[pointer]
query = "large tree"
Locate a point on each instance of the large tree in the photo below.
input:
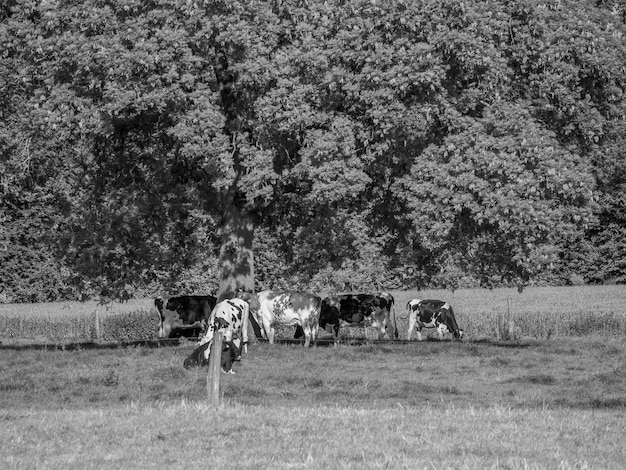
(358, 141)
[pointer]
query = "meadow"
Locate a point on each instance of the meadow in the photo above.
(540, 404)
(552, 399)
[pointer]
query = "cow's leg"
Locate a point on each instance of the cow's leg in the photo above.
(440, 332)
(271, 333)
(412, 320)
(381, 331)
(389, 327)
(418, 333)
(441, 329)
(307, 336)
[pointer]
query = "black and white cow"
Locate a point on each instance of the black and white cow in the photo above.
(376, 310)
(270, 308)
(183, 315)
(383, 313)
(432, 314)
(229, 316)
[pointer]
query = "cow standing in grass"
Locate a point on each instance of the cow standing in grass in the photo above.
(183, 315)
(384, 315)
(375, 310)
(270, 308)
(432, 314)
(229, 316)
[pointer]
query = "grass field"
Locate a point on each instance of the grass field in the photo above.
(555, 397)
(532, 404)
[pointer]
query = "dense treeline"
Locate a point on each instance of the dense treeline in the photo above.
(362, 143)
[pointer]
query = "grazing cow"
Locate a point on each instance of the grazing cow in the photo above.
(200, 356)
(231, 317)
(269, 308)
(432, 314)
(183, 315)
(375, 310)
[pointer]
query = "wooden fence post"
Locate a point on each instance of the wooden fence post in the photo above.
(511, 322)
(97, 326)
(213, 376)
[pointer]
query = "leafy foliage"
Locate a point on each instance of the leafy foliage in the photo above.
(389, 145)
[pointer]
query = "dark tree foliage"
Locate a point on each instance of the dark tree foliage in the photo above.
(363, 144)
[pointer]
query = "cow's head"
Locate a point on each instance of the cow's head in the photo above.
(447, 318)
(251, 298)
(199, 356)
(379, 305)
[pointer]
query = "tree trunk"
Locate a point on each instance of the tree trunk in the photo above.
(236, 255)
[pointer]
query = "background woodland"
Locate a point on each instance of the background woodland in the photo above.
(364, 144)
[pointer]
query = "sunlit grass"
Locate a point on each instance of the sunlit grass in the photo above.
(534, 404)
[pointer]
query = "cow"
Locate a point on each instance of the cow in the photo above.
(270, 308)
(383, 309)
(432, 314)
(183, 315)
(373, 309)
(200, 356)
(329, 315)
(231, 317)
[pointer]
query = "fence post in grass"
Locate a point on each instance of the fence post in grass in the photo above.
(511, 322)
(97, 325)
(213, 376)
(499, 325)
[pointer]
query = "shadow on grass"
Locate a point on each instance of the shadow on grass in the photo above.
(147, 343)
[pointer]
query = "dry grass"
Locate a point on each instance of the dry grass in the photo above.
(536, 404)
(64, 309)
(187, 435)
(78, 321)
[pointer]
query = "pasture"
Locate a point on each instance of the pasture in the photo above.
(555, 398)
(536, 404)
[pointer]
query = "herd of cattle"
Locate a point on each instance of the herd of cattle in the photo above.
(195, 315)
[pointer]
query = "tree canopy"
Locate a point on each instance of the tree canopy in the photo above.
(362, 143)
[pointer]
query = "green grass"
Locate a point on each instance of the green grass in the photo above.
(185, 435)
(533, 404)
(63, 309)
